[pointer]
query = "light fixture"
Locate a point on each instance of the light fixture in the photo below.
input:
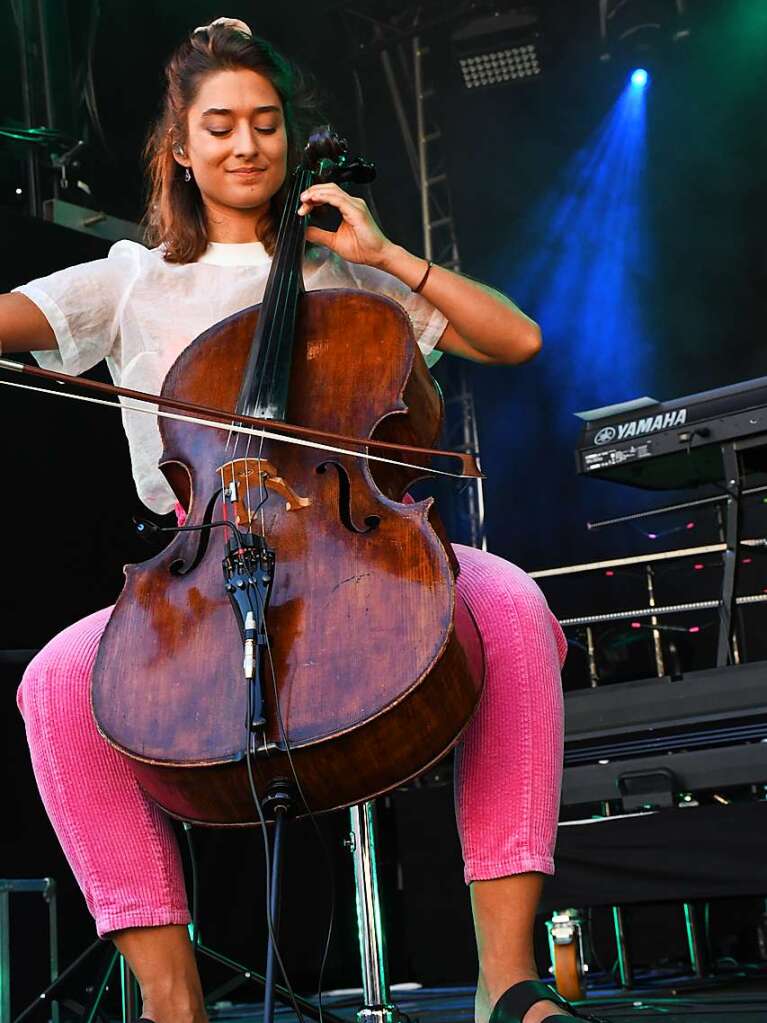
(631, 27)
(499, 49)
(640, 78)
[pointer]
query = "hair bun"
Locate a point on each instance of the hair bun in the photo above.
(234, 23)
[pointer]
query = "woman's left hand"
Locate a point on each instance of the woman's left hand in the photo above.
(358, 238)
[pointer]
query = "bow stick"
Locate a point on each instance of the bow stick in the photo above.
(271, 429)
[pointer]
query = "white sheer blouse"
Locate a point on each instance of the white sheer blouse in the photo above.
(139, 313)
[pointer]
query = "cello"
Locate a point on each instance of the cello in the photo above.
(303, 624)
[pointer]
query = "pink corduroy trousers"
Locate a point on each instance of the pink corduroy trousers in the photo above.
(123, 851)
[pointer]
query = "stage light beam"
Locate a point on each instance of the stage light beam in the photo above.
(587, 255)
(640, 78)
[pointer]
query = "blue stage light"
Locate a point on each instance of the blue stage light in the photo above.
(586, 261)
(640, 78)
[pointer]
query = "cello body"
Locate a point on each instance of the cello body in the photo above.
(373, 667)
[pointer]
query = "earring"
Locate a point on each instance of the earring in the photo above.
(187, 175)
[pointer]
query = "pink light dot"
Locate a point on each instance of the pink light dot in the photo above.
(694, 628)
(746, 561)
(652, 536)
(690, 525)
(636, 625)
(698, 567)
(609, 573)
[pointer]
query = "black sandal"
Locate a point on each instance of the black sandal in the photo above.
(513, 1005)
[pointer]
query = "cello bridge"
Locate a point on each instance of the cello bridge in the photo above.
(242, 474)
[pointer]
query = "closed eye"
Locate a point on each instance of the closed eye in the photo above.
(219, 133)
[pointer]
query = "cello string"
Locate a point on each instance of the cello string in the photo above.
(224, 510)
(272, 336)
(247, 403)
(249, 408)
(255, 431)
(285, 276)
(233, 434)
(280, 275)
(286, 285)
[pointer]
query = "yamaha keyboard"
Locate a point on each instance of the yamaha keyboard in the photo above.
(676, 444)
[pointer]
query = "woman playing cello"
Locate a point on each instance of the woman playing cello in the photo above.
(219, 155)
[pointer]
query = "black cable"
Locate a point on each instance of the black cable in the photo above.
(318, 831)
(268, 866)
(195, 887)
(142, 524)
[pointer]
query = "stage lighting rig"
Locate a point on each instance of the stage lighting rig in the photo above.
(632, 28)
(501, 47)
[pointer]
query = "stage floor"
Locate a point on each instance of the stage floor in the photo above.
(686, 1002)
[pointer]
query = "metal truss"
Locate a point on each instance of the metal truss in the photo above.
(440, 243)
(398, 42)
(47, 95)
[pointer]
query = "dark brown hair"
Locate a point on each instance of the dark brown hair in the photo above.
(175, 217)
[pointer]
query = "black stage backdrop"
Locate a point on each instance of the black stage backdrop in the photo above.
(65, 521)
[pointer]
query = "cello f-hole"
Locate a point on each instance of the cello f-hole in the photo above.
(344, 500)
